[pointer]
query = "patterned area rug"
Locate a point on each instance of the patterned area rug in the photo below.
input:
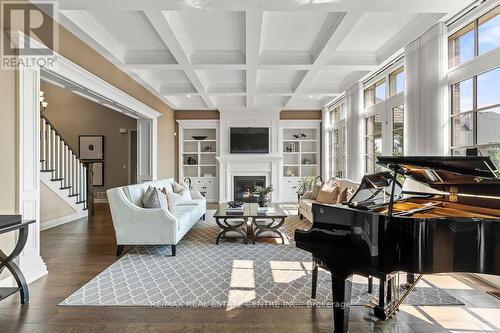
(230, 274)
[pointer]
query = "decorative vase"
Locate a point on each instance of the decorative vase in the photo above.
(263, 200)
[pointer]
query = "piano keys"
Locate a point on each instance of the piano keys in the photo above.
(425, 215)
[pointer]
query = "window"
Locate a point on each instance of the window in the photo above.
(380, 91)
(384, 124)
(338, 160)
(488, 31)
(397, 81)
(369, 96)
(398, 130)
(337, 141)
(464, 45)
(476, 115)
(373, 142)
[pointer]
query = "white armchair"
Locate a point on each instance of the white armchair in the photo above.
(135, 225)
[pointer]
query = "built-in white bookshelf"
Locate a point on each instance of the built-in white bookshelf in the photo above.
(301, 152)
(198, 149)
(301, 149)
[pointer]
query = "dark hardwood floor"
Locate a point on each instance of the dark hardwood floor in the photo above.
(78, 251)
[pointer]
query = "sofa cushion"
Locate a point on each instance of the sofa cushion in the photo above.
(342, 195)
(183, 216)
(176, 198)
(328, 193)
(154, 198)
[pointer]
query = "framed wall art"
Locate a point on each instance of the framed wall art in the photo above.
(91, 147)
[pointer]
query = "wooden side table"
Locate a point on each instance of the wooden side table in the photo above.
(10, 223)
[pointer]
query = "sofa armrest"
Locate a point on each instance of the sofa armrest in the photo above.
(307, 195)
(196, 195)
(137, 225)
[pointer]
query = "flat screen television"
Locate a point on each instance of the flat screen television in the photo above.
(249, 140)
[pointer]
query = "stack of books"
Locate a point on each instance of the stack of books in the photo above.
(234, 211)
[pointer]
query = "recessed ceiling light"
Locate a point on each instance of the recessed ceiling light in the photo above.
(188, 96)
(311, 96)
(229, 95)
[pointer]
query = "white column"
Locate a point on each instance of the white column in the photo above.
(426, 104)
(28, 175)
(355, 141)
(325, 161)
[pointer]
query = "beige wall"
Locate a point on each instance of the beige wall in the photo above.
(73, 115)
(51, 206)
(8, 148)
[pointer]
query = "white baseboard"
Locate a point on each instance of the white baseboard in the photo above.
(101, 201)
(45, 225)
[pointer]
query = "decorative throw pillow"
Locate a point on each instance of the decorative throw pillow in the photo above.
(177, 198)
(342, 195)
(178, 188)
(154, 198)
(328, 194)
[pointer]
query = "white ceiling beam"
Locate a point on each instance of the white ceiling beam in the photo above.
(253, 37)
(338, 30)
(162, 26)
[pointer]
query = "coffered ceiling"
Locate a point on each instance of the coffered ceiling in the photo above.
(289, 54)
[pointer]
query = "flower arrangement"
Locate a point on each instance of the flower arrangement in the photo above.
(263, 190)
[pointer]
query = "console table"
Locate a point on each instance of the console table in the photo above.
(10, 223)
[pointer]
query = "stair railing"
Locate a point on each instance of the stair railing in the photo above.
(57, 157)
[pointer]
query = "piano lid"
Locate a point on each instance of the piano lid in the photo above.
(442, 169)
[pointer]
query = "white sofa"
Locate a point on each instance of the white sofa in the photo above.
(135, 225)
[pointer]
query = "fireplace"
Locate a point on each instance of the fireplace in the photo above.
(244, 185)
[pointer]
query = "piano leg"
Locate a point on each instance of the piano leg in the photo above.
(379, 311)
(341, 290)
(370, 284)
(314, 274)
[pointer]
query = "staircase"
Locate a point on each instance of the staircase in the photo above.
(61, 170)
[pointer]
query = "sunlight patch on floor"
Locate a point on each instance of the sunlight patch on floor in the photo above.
(454, 318)
(415, 312)
(492, 316)
(446, 282)
(242, 274)
(287, 271)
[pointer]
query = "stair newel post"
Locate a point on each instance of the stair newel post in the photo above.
(90, 188)
(48, 160)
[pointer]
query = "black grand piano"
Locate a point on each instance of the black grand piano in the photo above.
(424, 215)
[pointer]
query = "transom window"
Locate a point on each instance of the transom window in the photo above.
(476, 38)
